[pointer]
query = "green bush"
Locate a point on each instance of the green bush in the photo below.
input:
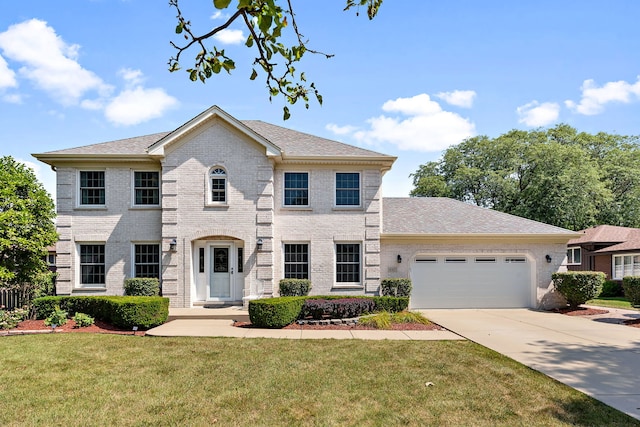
(9, 319)
(611, 288)
(58, 317)
(391, 304)
(578, 287)
(275, 312)
(631, 286)
(83, 320)
(294, 287)
(396, 287)
(142, 287)
(121, 311)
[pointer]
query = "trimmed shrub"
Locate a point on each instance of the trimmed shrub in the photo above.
(275, 312)
(578, 287)
(396, 287)
(142, 287)
(611, 288)
(294, 287)
(391, 304)
(45, 306)
(631, 286)
(83, 320)
(342, 308)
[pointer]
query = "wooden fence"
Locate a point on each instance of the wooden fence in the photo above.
(14, 298)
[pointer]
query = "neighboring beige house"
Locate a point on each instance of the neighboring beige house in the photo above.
(221, 209)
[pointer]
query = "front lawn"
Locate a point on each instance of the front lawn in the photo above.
(612, 302)
(94, 379)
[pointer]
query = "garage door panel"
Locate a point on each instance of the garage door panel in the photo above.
(504, 283)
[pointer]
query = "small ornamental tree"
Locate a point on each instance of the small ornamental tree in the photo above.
(26, 227)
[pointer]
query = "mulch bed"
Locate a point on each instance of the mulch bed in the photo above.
(580, 311)
(99, 327)
(395, 327)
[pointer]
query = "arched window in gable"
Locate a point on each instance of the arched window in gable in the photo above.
(218, 185)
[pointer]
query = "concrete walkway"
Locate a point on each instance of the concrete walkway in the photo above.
(598, 357)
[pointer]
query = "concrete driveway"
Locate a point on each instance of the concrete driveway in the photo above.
(599, 358)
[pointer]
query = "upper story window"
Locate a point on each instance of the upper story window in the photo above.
(218, 185)
(92, 189)
(146, 188)
(574, 256)
(347, 189)
(296, 189)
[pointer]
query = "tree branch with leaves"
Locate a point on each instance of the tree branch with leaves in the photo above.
(265, 21)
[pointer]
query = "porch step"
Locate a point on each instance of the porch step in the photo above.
(210, 312)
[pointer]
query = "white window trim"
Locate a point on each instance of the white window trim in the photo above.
(78, 273)
(133, 189)
(133, 256)
(207, 194)
(573, 248)
(308, 255)
(346, 285)
(79, 204)
(335, 189)
(284, 205)
(613, 265)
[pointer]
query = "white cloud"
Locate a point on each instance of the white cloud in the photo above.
(459, 98)
(7, 75)
(536, 114)
(341, 130)
(137, 105)
(219, 15)
(12, 98)
(230, 36)
(425, 127)
(130, 76)
(595, 98)
(49, 62)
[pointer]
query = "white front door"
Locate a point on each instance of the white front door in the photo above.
(221, 271)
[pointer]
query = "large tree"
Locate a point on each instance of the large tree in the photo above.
(26, 226)
(558, 176)
(266, 22)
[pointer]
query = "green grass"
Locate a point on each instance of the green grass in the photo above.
(96, 380)
(384, 320)
(612, 302)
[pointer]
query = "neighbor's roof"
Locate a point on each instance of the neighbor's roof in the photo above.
(630, 245)
(606, 234)
(293, 144)
(414, 216)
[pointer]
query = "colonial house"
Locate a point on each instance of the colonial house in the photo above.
(221, 209)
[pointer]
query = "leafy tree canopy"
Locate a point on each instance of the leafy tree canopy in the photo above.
(558, 176)
(26, 225)
(266, 22)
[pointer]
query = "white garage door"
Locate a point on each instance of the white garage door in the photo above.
(471, 281)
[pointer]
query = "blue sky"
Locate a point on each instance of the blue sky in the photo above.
(420, 77)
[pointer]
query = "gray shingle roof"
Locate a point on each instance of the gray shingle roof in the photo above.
(442, 216)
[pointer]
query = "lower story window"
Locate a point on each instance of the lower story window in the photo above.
(626, 265)
(348, 263)
(147, 260)
(296, 261)
(92, 266)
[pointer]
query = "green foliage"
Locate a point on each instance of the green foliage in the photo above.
(611, 288)
(58, 317)
(10, 319)
(83, 320)
(391, 304)
(631, 286)
(294, 287)
(26, 226)
(266, 22)
(578, 286)
(142, 287)
(396, 287)
(275, 312)
(122, 311)
(384, 320)
(532, 173)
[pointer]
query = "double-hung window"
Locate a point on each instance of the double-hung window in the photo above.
(92, 265)
(92, 188)
(147, 260)
(347, 189)
(574, 256)
(348, 262)
(296, 261)
(146, 188)
(296, 189)
(218, 185)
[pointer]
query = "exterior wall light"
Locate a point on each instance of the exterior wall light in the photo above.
(399, 259)
(547, 257)
(259, 243)
(173, 245)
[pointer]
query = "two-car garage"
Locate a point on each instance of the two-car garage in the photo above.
(471, 281)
